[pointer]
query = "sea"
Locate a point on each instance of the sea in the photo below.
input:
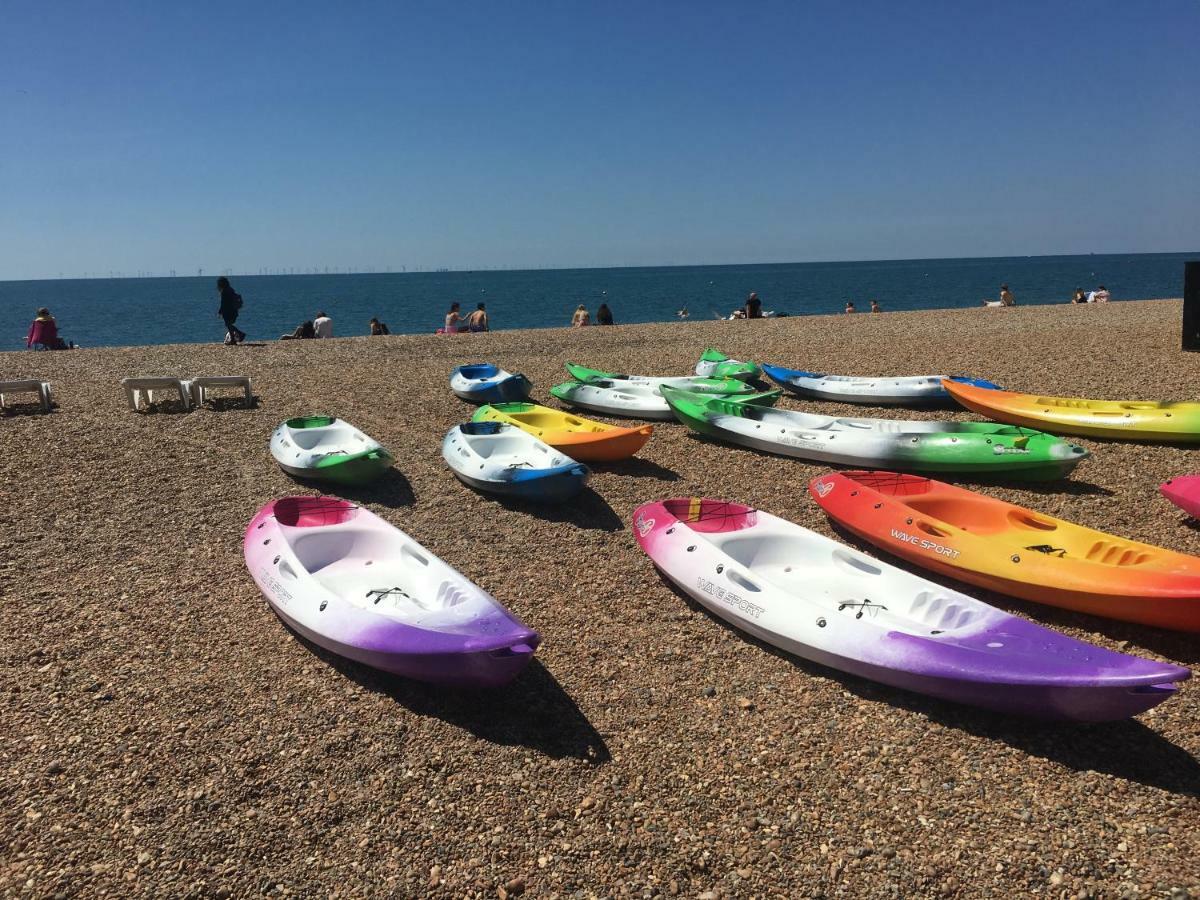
(100, 312)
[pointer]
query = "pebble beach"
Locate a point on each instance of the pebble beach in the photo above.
(166, 736)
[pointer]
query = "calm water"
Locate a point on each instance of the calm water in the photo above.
(122, 311)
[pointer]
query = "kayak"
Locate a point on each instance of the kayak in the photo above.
(581, 439)
(700, 383)
(503, 459)
(909, 390)
(1013, 550)
(637, 399)
(964, 448)
(352, 583)
(328, 449)
(486, 383)
(823, 601)
(1133, 420)
(715, 364)
(1184, 492)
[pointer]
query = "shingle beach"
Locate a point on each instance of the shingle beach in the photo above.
(164, 735)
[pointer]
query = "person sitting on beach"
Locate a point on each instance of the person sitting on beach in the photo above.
(753, 307)
(43, 333)
(683, 313)
(377, 327)
(875, 306)
(478, 320)
(304, 331)
(581, 318)
(455, 321)
(1006, 297)
(850, 307)
(1101, 295)
(604, 315)
(231, 305)
(323, 325)
(1079, 296)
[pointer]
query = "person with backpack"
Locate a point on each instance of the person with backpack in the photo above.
(231, 304)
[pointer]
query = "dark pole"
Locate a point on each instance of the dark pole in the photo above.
(1191, 305)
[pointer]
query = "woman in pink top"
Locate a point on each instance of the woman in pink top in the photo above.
(44, 331)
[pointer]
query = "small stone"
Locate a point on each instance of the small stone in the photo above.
(743, 703)
(1056, 878)
(588, 803)
(55, 768)
(435, 876)
(515, 886)
(710, 691)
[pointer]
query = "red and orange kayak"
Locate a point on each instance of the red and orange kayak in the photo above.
(1013, 550)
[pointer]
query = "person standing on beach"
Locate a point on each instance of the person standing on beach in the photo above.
(875, 306)
(231, 305)
(753, 306)
(478, 320)
(604, 315)
(323, 325)
(581, 317)
(1006, 297)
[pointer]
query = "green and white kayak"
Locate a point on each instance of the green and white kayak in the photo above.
(327, 449)
(715, 364)
(640, 398)
(984, 449)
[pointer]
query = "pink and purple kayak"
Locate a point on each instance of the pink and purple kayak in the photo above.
(1184, 492)
(826, 602)
(350, 582)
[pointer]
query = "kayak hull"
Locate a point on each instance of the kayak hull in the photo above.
(312, 557)
(485, 383)
(910, 390)
(806, 595)
(1184, 492)
(501, 459)
(581, 439)
(1130, 420)
(1012, 550)
(323, 448)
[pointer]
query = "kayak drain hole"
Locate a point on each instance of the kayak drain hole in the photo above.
(691, 548)
(369, 562)
(720, 568)
(324, 603)
(267, 541)
(275, 561)
(820, 623)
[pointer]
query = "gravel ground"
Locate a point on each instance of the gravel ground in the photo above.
(165, 735)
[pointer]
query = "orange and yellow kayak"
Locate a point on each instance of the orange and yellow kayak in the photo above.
(582, 439)
(1013, 550)
(1132, 420)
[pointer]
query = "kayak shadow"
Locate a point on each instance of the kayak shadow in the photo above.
(532, 711)
(1125, 749)
(585, 510)
(391, 489)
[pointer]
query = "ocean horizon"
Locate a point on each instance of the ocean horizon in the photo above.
(97, 312)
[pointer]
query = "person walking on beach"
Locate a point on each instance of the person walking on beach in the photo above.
(231, 305)
(604, 315)
(323, 325)
(753, 306)
(581, 317)
(454, 319)
(478, 320)
(875, 306)
(1006, 297)
(377, 328)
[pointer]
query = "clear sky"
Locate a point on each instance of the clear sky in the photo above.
(149, 136)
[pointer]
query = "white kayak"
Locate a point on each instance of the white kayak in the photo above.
(361, 588)
(502, 459)
(823, 601)
(328, 449)
(980, 448)
(487, 383)
(906, 390)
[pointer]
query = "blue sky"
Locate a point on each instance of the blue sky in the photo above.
(374, 135)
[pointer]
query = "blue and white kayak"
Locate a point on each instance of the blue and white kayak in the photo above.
(908, 390)
(502, 459)
(486, 383)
